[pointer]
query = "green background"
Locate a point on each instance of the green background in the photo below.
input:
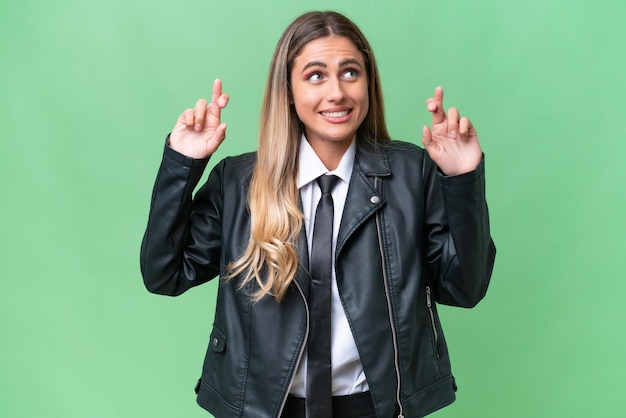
(90, 88)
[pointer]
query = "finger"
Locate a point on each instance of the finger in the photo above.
(220, 133)
(213, 115)
(217, 139)
(453, 122)
(435, 106)
(188, 118)
(217, 103)
(464, 124)
(200, 112)
(217, 90)
(471, 130)
(427, 137)
(222, 101)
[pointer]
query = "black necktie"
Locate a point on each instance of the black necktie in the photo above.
(319, 380)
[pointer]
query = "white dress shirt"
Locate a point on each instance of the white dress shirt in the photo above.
(347, 371)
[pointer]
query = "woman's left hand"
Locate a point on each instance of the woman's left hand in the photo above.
(452, 144)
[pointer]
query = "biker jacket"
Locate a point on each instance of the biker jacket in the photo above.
(409, 237)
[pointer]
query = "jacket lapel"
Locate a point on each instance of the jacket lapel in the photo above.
(363, 199)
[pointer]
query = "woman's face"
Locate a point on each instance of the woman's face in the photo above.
(329, 88)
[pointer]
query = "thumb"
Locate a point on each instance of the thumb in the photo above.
(427, 136)
(216, 140)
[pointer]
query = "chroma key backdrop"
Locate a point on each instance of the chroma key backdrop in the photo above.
(89, 89)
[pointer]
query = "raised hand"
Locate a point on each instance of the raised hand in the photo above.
(452, 144)
(199, 132)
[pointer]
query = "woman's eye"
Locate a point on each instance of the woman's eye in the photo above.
(314, 77)
(351, 74)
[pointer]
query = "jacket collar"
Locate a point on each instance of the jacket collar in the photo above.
(363, 200)
(372, 159)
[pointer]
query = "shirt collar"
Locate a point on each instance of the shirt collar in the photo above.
(310, 167)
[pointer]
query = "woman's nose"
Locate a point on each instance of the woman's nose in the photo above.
(335, 90)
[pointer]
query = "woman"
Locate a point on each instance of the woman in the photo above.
(353, 332)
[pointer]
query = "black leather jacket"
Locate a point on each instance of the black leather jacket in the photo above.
(409, 237)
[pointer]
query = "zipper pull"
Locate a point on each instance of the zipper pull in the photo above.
(428, 301)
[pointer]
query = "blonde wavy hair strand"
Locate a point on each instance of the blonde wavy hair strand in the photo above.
(271, 257)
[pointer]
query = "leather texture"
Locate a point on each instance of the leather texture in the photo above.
(408, 237)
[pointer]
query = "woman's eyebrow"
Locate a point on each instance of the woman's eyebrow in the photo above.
(350, 61)
(343, 63)
(313, 64)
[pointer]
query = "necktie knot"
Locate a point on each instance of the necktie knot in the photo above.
(327, 183)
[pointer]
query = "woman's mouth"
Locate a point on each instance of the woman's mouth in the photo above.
(335, 115)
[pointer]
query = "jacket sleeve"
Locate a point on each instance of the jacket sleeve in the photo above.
(461, 251)
(181, 244)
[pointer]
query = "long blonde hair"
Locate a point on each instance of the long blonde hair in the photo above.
(271, 258)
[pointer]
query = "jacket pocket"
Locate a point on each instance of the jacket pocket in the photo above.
(218, 341)
(433, 322)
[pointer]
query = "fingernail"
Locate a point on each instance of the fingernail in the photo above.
(431, 106)
(197, 127)
(221, 102)
(453, 134)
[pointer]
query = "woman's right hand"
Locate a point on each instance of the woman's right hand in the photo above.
(199, 132)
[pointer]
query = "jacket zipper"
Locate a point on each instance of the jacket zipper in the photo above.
(306, 337)
(429, 303)
(391, 322)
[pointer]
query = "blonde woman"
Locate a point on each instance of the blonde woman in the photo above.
(342, 320)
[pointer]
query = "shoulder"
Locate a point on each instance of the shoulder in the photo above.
(391, 146)
(391, 152)
(399, 161)
(403, 149)
(237, 167)
(241, 160)
(410, 157)
(233, 171)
